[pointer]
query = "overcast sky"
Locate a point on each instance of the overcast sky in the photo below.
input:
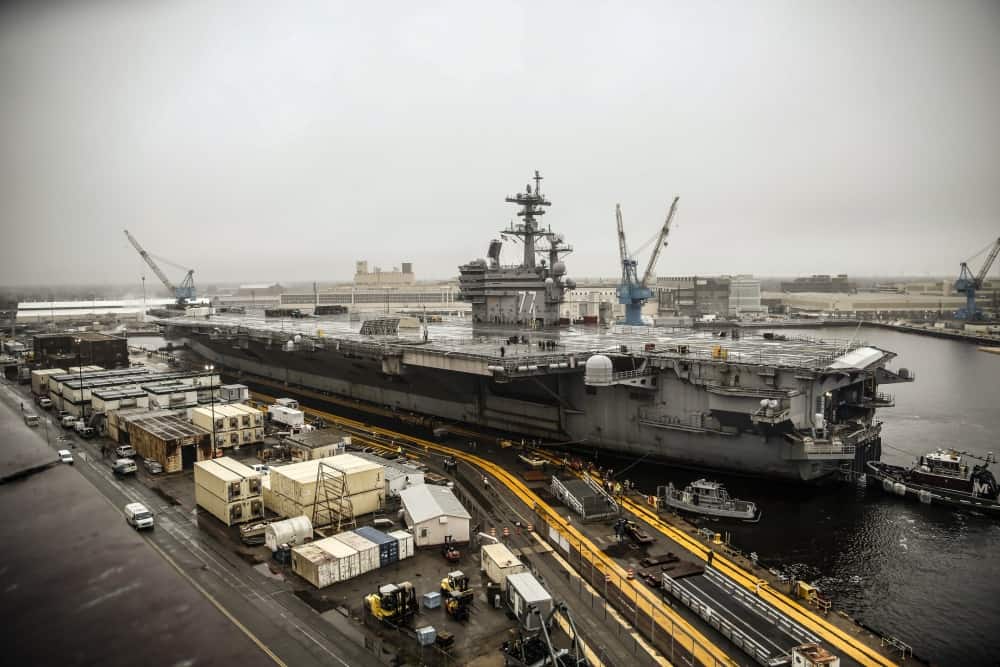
(283, 141)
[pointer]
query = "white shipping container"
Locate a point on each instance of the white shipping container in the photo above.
(287, 416)
(498, 562)
(346, 557)
(368, 556)
(405, 540)
(524, 591)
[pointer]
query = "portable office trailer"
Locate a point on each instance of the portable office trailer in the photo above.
(287, 416)
(523, 593)
(405, 541)
(40, 380)
(388, 547)
(229, 513)
(498, 562)
(236, 393)
(251, 484)
(298, 480)
(368, 552)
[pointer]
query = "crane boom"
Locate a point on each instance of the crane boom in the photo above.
(622, 248)
(981, 276)
(660, 242)
(152, 264)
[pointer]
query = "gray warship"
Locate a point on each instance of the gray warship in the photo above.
(797, 409)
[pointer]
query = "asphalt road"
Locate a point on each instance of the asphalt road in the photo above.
(260, 614)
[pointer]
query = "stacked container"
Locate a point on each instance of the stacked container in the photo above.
(228, 490)
(388, 547)
(235, 423)
(293, 490)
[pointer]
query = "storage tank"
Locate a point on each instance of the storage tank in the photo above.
(294, 531)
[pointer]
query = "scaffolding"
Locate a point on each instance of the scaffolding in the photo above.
(333, 506)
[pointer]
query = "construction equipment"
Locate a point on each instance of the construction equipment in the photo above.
(457, 595)
(967, 283)
(625, 527)
(633, 292)
(449, 551)
(185, 291)
(393, 603)
(537, 650)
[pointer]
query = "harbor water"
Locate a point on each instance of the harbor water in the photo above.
(927, 575)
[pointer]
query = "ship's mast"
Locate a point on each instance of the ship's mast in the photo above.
(530, 203)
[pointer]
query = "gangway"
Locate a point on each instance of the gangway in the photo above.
(584, 497)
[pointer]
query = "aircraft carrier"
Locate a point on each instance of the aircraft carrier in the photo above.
(757, 404)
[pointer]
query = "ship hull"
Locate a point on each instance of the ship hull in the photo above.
(557, 408)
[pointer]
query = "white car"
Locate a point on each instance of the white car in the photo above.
(65, 456)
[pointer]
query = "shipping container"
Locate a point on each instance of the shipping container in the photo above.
(315, 565)
(368, 558)
(40, 380)
(524, 592)
(405, 541)
(498, 562)
(294, 531)
(347, 558)
(388, 547)
(233, 480)
(298, 480)
(234, 392)
(229, 513)
(219, 481)
(286, 416)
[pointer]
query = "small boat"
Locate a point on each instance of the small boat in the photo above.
(942, 477)
(709, 498)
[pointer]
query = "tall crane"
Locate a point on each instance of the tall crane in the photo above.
(185, 291)
(633, 292)
(967, 283)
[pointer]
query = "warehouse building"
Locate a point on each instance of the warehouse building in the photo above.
(317, 444)
(86, 347)
(164, 437)
(433, 513)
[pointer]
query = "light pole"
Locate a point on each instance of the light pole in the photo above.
(79, 368)
(210, 368)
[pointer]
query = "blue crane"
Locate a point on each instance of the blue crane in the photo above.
(967, 283)
(633, 292)
(185, 291)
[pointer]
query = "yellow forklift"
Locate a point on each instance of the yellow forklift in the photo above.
(393, 603)
(456, 594)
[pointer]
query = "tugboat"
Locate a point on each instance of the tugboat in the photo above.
(942, 477)
(709, 498)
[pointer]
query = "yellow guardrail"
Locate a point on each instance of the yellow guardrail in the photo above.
(688, 638)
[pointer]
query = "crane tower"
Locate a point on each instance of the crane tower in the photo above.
(634, 292)
(967, 283)
(185, 291)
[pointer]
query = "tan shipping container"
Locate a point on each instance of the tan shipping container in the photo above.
(498, 562)
(298, 480)
(229, 513)
(325, 562)
(361, 503)
(228, 479)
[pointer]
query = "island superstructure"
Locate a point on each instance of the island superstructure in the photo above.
(792, 408)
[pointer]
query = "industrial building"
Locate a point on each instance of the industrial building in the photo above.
(164, 437)
(693, 296)
(83, 348)
(317, 444)
(378, 277)
(433, 513)
(820, 283)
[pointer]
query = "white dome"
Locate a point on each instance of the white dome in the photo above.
(569, 283)
(549, 281)
(598, 371)
(559, 268)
